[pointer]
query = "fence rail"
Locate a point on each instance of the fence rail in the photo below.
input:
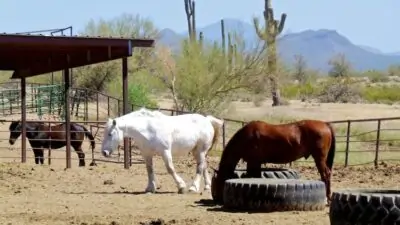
(359, 141)
(6, 148)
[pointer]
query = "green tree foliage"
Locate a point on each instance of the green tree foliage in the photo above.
(300, 72)
(139, 96)
(340, 67)
(99, 76)
(201, 79)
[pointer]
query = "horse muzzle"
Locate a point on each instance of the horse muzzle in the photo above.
(106, 153)
(11, 141)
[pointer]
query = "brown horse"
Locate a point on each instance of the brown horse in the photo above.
(258, 142)
(42, 136)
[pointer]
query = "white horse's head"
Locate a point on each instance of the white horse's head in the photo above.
(112, 137)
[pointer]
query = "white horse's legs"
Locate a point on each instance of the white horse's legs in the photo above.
(167, 157)
(200, 170)
(207, 179)
(151, 185)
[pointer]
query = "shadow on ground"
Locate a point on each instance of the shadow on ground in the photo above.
(120, 192)
(212, 206)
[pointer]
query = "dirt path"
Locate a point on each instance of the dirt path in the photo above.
(33, 194)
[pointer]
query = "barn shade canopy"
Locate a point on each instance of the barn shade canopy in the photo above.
(31, 55)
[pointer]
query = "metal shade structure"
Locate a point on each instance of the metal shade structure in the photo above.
(32, 55)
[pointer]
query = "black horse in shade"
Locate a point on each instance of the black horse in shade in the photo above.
(41, 136)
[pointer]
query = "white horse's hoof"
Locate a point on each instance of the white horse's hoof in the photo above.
(207, 188)
(193, 189)
(182, 190)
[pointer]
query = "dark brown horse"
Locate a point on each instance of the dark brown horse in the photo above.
(258, 142)
(42, 136)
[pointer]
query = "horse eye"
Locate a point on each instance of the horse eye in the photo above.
(109, 134)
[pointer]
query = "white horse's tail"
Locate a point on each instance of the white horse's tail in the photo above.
(217, 125)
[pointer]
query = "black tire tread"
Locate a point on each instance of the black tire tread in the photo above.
(365, 206)
(268, 195)
(271, 173)
(267, 173)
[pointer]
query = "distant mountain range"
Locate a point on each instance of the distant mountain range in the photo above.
(316, 46)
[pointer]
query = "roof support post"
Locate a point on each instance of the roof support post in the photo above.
(67, 117)
(23, 120)
(125, 107)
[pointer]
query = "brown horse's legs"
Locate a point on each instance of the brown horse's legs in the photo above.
(254, 169)
(81, 156)
(325, 173)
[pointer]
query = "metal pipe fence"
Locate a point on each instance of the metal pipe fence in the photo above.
(361, 141)
(8, 154)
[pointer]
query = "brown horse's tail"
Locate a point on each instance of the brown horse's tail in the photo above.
(217, 125)
(90, 136)
(332, 149)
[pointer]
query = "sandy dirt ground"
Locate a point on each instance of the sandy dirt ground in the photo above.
(108, 194)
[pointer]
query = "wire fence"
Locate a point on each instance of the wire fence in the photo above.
(359, 142)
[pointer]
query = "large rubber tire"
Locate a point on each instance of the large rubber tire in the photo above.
(365, 206)
(274, 173)
(268, 195)
(268, 173)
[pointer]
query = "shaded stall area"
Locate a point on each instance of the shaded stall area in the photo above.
(32, 55)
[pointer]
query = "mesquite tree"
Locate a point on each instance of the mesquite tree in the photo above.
(272, 28)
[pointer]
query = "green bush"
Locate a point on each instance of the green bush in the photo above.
(300, 91)
(139, 96)
(381, 94)
(376, 76)
(338, 89)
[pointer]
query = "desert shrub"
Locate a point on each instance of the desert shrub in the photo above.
(301, 91)
(339, 90)
(376, 76)
(381, 94)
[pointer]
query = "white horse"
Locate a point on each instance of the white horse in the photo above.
(155, 133)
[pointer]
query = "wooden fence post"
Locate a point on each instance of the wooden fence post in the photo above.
(378, 136)
(346, 159)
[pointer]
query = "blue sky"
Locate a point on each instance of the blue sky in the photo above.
(369, 23)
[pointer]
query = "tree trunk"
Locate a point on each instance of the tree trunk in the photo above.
(275, 92)
(273, 76)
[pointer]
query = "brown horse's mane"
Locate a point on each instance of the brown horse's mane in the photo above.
(229, 159)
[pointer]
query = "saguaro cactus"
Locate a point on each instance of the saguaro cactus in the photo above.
(190, 10)
(269, 33)
(232, 48)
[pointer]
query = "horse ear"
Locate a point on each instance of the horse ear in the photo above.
(114, 122)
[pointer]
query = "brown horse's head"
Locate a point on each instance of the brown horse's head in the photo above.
(216, 188)
(217, 185)
(15, 131)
